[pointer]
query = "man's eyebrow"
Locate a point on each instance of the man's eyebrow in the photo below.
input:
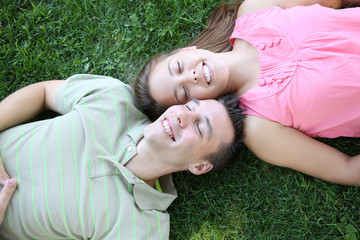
(169, 69)
(194, 100)
(208, 124)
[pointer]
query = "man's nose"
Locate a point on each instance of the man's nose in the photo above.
(187, 117)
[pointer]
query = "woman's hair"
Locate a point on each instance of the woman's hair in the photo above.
(215, 37)
(219, 27)
(143, 99)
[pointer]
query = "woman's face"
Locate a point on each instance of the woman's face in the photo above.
(189, 73)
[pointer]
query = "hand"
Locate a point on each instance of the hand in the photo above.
(7, 191)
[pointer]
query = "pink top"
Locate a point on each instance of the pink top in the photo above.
(304, 54)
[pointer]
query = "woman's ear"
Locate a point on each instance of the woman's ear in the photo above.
(188, 48)
(201, 168)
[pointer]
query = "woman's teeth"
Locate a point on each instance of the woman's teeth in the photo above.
(207, 74)
(167, 128)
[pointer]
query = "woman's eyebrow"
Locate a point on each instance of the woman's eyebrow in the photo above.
(176, 95)
(169, 69)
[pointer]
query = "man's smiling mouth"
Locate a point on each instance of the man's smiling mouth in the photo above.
(168, 129)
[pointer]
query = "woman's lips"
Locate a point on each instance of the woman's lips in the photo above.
(207, 74)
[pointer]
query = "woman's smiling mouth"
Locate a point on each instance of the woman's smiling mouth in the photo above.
(206, 72)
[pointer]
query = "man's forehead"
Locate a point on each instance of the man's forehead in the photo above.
(218, 117)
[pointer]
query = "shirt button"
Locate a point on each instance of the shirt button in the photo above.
(270, 44)
(277, 40)
(129, 149)
(262, 46)
(262, 82)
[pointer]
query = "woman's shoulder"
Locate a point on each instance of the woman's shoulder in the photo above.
(255, 22)
(249, 6)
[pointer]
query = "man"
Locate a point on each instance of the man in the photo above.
(101, 170)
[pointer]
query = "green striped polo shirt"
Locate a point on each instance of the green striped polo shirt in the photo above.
(72, 179)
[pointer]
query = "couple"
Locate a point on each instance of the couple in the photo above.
(101, 169)
(90, 168)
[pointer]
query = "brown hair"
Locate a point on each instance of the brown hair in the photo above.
(143, 99)
(215, 37)
(219, 27)
(226, 154)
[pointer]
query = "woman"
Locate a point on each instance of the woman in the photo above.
(295, 69)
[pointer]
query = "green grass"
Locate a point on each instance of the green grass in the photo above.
(42, 40)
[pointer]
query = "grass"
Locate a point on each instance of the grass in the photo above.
(42, 40)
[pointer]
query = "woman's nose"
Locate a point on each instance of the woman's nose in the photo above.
(191, 77)
(194, 75)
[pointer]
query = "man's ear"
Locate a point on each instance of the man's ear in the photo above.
(188, 48)
(201, 168)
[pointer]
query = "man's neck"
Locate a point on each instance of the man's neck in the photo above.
(145, 166)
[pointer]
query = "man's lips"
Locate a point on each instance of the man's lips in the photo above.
(168, 129)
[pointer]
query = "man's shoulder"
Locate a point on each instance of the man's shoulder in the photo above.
(99, 79)
(90, 83)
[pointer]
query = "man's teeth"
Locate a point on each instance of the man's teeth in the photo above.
(207, 74)
(168, 129)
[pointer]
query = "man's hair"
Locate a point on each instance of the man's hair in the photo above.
(227, 153)
(215, 37)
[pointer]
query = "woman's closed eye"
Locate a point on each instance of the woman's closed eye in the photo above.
(179, 67)
(186, 93)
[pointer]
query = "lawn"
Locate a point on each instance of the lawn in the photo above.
(42, 40)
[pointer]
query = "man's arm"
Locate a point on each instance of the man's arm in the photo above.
(28, 102)
(9, 186)
(288, 147)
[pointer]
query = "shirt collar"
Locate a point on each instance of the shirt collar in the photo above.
(148, 198)
(145, 196)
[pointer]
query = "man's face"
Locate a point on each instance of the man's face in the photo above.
(187, 134)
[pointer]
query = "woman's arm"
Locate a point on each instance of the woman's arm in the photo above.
(346, 3)
(28, 102)
(287, 147)
(255, 5)
(325, 3)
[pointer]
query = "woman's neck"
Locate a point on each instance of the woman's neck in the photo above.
(244, 67)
